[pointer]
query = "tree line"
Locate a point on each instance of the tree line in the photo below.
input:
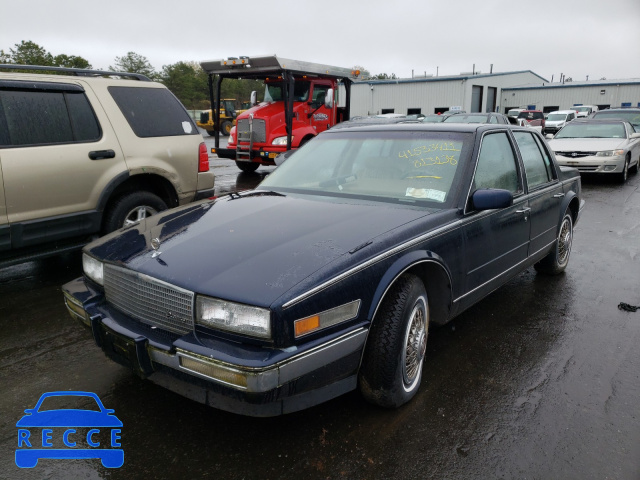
(186, 80)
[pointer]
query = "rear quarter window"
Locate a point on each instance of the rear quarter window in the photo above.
(153, 112)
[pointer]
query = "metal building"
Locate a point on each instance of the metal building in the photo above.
(561, 96)
(469, 92)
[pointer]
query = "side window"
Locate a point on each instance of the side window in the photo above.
(493, 119)
(154, 112)
(496, 164)
(319, 94)
(536, 167)
(36, 117)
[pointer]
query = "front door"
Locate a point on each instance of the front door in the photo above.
(497, 240)
(321, 116)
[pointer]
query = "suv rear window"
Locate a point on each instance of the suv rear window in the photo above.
(40, 116)
(531, 115)
(153, 112)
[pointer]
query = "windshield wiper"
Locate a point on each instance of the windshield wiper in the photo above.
(338, 181)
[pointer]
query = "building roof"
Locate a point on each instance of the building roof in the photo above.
(593, 83)
(445, 78)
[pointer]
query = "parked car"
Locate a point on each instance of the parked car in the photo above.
(558, 119)
(84, 152)
(610, 147)
(631, 115)
(584, 110)
(327, 277)
(514, 112)
(437, 117)
(534, 119)
(490, 117)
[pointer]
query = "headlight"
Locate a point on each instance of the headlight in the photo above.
(233, 317)
(281, 141)
(93, 269)
(610, 153)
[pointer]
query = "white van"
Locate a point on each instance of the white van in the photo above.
(584, 110)
(558, 119)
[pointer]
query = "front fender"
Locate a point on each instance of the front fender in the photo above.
(427, 265)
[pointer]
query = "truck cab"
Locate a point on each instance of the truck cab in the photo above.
(299, 101)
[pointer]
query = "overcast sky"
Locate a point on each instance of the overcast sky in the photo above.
(598, 38)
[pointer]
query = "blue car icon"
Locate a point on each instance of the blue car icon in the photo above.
(29, 452)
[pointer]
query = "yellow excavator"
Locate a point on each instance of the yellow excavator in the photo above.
(231, 108)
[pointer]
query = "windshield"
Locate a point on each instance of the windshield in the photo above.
(586, 130)
(274, 92)
(467, 119)
(514, 113)
(582, 109)
(633, 117)
(398, 166)
(557, 117)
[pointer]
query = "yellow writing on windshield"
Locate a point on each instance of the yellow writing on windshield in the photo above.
(421, 150)
(437, 160)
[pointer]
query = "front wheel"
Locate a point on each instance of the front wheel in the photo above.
(247, 167)
(622, 176)
(225, 128)
(392, 365)
(131, 208)
(558, 258)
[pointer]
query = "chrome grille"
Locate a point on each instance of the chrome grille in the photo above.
(576, 154)
(259, 130)
(151, 301)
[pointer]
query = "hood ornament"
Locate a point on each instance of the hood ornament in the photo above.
(155, 244)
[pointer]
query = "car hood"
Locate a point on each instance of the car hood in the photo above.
(586, 144)
(250, 248)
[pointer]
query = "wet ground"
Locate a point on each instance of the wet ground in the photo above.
(541, 380)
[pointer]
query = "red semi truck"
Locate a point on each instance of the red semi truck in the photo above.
(300, 101)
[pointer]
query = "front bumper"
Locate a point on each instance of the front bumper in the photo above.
(245, 379)
(593, 164)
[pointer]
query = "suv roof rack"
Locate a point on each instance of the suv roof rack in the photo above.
(81, 72)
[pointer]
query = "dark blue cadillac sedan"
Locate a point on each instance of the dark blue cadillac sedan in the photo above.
(327, 277)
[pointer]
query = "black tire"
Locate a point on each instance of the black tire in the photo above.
(225, 128)
(391, 369)
(637, 167)
(247, 167)
(622, 176)
(130, 208)
(558, 258)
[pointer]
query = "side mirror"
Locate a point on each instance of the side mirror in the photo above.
(635, 135)
(491, 199)
(254, 98)
(280, 159)
(328, 99)
(549, 136)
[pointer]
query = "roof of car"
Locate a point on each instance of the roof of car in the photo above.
(425, 126)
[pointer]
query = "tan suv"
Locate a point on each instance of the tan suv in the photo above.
(84, 153)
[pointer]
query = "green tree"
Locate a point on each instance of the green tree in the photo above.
(30, 53)
(70, 61)
(188, 82)
(134, 63)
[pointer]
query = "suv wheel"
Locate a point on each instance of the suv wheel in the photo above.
(132, 208)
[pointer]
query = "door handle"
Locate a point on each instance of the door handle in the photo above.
(524, 210)
(100, 154)
(558, 195)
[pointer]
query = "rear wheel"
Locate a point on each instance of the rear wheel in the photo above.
(131, 208)
(247, 167)
(392, 365)
(558, 258)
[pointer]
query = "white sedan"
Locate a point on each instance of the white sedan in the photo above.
(598, 146)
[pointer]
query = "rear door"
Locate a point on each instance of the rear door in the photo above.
(5, 233)
(545, 190)
(57, 159)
